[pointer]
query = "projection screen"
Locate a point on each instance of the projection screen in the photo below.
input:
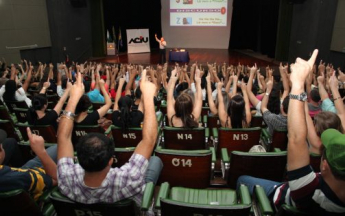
(196, 23)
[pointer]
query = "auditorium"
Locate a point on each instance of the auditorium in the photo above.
(172, 107)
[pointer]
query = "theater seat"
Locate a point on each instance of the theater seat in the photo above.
(193, 168)
(19, 202)
(185, 139)
(237, 139)
(267, 165)
(186, 201)
(279, 139)
(127, 207)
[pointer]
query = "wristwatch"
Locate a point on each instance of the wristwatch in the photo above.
(300, 97)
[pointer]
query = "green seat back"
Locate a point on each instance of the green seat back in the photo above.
(238, 139)
(203, 196)
(185, 168)
(65, 206)
(267, 165)
(183, 138)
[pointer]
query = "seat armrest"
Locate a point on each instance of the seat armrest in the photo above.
(277, 150)
(48, 210)
(225, 155)
(265, 134)
(108, 131)
(163, 193)
(147, 197)
(213, 163)
(225, 163)
(215, 133)
(215, 137)
(244, 195)
(160, 117)
(262, 201)
(207, 132)
(205, 120)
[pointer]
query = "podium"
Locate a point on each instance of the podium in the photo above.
(178, 55)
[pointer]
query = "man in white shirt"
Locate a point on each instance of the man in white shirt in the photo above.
(162, 45)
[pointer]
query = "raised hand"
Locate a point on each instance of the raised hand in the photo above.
(77, 89)
(147, 88)
(36, 142)
(333, 82)
(301, 69)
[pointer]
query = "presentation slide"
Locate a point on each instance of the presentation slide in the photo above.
(198, 12)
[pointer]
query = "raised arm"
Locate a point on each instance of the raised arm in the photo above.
(170, 94)
(298, 153)
(118, 93)
(246, 101)
(150, 126)
(211, 103)
(283, 75)
(60, 103)
(313, 139)
(37, 146)
(45, 87)
(28, 79)
(107, 101)
(322, 89)
(338, 101)
(253, 100)
(198, 96)
(264, 101)
(234, 85)
(222, 114)
(157, 38)
(131, 81)
(64, 134)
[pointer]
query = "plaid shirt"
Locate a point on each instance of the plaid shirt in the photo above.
(274, 121)
(120, 183)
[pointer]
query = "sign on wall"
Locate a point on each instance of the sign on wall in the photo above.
(138, 40)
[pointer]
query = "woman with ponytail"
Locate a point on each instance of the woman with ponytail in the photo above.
(182, 112)
(237, 114)
(85, 118)
(38, 114)
(123, 115)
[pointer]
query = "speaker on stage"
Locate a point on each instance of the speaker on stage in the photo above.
(78, 3)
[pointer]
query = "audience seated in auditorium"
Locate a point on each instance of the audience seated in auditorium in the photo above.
(36, 175)
(316, 193)
(93, 180)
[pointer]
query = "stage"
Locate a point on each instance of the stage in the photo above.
(202, 56)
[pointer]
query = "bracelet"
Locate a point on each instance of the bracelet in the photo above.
(44, 88)
(67, 117)
(336, 98)
(69, 114)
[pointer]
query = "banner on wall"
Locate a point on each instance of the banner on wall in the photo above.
(138, 40)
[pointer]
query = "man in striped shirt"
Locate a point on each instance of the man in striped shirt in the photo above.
(93, 180)
(315, 193)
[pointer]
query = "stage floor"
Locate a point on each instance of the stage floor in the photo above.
(202, 56)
